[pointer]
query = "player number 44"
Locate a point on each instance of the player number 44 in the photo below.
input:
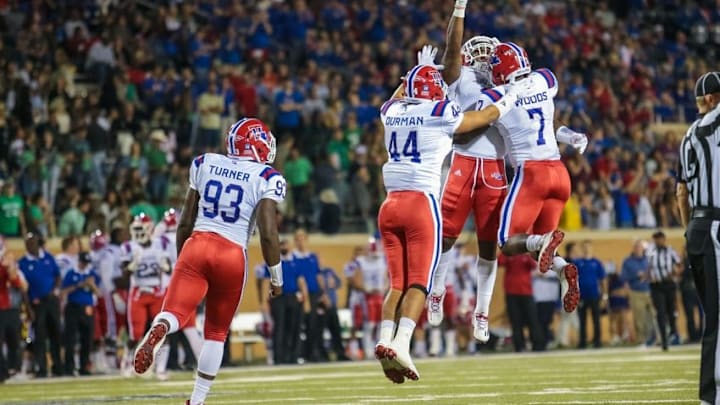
(409, 149)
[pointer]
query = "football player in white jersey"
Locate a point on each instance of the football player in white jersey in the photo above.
(68, 259)
(541, 185)
(371, 275)
(228, 194)
(145, 261)
(105, 324)
(356, 301)
(476, 180)
(420, 124)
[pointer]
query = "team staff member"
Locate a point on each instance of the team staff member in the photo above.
(286, 310)
(9, 277)
(698, 193)
(309, 268)
(593, 291)
(80, 285)
(664, 265)
(43, 276)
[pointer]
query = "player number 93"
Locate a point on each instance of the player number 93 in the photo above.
(280, 188)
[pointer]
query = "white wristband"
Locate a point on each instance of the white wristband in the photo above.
(504, 105)
(276, 275)
(459, 11)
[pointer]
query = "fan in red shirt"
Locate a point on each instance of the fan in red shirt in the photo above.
(9, 277)
(519, 300)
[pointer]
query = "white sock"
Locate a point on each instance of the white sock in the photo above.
(534, 243)
(368, 339)
(435, 341)
(387, 331)
(438, 281)
(558, 264)
(450, 342)
(405, 330)
(161, 359)
(420, 348)
(193, 337)
(209, 363)
(354, 347)
(486, 274)
(169, 318)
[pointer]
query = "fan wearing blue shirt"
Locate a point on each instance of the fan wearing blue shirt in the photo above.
(80, 286)
(635, 271)
(43, 276)
(593, 289)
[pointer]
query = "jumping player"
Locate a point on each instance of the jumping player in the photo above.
(541, 185)
(146, 261)
(420, 124)
(227, 195)
(476, 180)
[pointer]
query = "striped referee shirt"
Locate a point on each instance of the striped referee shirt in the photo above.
(700, 161)
(662, 262)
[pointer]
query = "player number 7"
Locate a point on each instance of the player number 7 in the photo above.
(538, 111)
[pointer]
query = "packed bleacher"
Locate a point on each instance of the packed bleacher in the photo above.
(104, 104)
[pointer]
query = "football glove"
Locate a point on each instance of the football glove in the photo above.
(426, 56)
(577, 140)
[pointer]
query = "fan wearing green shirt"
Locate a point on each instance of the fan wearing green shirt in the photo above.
(297, 173)
(12, 221)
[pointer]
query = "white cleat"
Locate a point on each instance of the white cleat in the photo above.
(546, 254)
(435, 309)
(391, 372)
(481, 328)
(401, 360)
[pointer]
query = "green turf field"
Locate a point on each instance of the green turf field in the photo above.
(608, 376)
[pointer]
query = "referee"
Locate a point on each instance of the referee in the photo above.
(698, 193)
(664, 266)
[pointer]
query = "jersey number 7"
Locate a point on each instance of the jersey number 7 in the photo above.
(409, 150)
(214, 192)
(538, 111)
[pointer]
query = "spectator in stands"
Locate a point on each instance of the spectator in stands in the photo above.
(72, 221)
(298, 170)
(80, 290)
(9, 316)
(289, 105)
(621, 329)
(43, 277)
(635, 271)
(519, 301)
(12, 220)
(157, 186)
(39, 216)
(593, 289)
(210, 105)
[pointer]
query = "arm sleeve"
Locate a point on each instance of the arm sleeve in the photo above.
(195, 171)
(275, 188)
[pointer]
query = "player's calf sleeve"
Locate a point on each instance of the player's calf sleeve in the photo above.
(438, 282)
(387, 331)
(195, 340)
(208, 365)
(486, 274)
(170, 319)
(558, 264)
(161, 359)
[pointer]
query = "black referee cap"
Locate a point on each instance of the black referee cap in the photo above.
(709, 83)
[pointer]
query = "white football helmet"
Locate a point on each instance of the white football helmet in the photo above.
(141, 228)
(476, 53)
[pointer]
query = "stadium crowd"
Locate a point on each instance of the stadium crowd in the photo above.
(103, 106)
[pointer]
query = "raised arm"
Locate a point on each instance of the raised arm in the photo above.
(451, 57)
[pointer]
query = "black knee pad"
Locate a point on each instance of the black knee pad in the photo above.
(419, 287)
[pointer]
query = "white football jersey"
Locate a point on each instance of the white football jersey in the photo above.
(105, 262)
(356, 297)
(418, 136)
(466, 91)
(230, 190)
(528, 128)
(374, 272)
(150, 259)
(66, 263)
